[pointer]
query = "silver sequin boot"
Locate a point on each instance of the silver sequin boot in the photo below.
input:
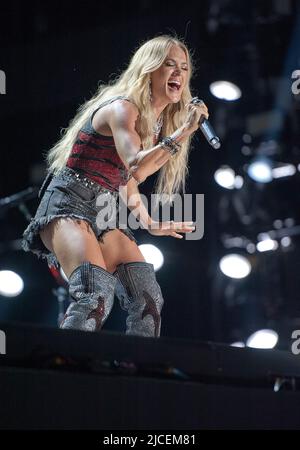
(92, 291)
(140, 295)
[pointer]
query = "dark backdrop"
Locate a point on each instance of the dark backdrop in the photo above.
(54, 57)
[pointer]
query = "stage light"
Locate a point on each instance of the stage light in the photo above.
(289, 222)
(246, 150)
(238, 182)
(235, 266)
(260, 171)
(237, 344)
(247, 138)
(225, 90)
(11, 284)
(251, 248)
(225, 177)
(263, 339)
(267, 245)
(278, 224)
(286, 170)
(286, 241)
(152, 255)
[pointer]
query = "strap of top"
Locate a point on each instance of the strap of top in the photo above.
(107, 102)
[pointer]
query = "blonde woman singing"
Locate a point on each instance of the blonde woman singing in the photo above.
(130, 129)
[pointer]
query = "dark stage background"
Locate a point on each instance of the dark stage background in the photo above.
(54, 56)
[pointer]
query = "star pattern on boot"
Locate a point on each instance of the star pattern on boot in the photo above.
(151, 309)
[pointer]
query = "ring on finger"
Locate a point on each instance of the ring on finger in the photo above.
(197, 101)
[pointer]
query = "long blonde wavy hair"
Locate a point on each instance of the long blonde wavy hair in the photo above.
(134, 83)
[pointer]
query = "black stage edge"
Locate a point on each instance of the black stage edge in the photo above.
(61, 379)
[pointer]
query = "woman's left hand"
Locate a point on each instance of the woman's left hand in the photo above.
(171, 228)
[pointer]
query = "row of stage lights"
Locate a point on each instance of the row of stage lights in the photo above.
(260, 170)
(232, 265)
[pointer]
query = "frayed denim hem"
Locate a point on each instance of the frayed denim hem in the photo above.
(32, 242)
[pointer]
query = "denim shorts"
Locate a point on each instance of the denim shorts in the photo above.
(70, 194)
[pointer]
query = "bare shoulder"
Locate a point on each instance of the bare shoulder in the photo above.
(123, 113)
(120, 113)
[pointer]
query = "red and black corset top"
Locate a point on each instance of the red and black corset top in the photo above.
(96, 157)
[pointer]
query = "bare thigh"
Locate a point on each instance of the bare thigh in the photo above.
(117, 248)
(73, 242)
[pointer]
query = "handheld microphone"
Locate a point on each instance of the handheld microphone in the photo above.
(206, 128)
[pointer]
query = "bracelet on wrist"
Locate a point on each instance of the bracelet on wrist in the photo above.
(169, 144)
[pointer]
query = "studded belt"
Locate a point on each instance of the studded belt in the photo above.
(67, 172)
